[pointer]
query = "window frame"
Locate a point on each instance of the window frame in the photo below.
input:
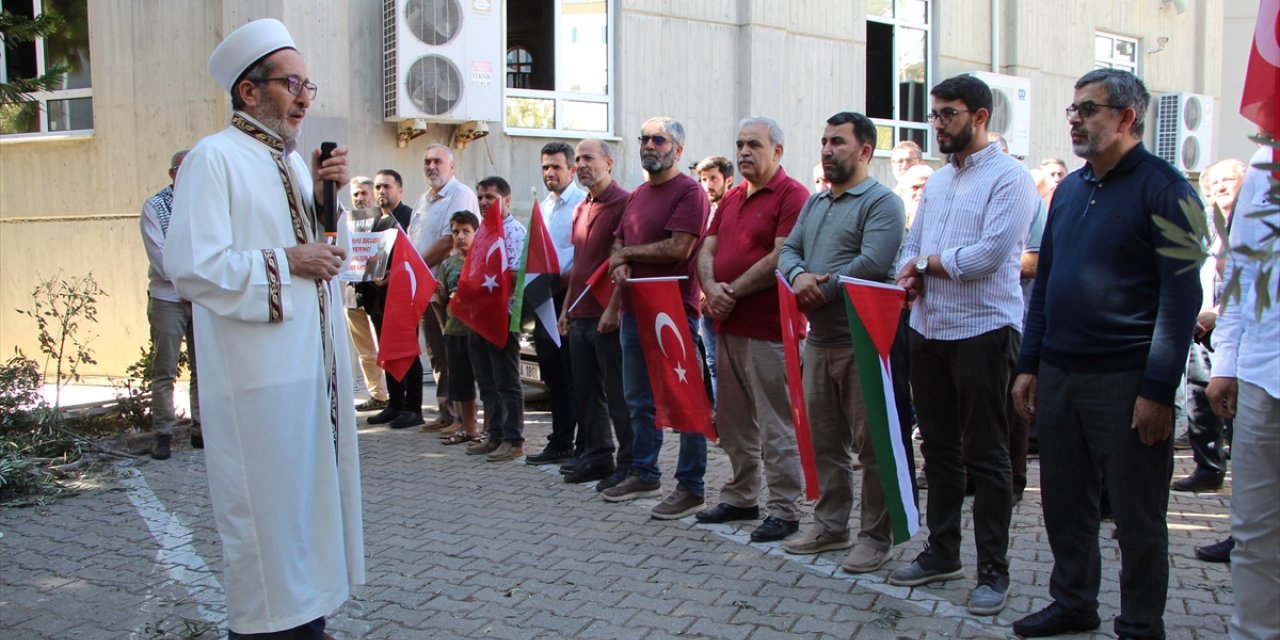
(561, 96)
(1112, 62)
(43, 98)
(930, 56)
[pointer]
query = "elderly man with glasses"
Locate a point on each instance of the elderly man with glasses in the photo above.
(961, 263)
(1110, 324)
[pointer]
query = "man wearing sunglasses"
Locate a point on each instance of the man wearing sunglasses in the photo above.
(1107, 337)
(961, 263)
(246, 247)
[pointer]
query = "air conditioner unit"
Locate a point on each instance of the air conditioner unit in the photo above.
(442, 60)
(1184, 130)
(1010, 109)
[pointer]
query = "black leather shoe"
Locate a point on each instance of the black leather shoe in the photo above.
(162, 448)
(589, 472)
(725, 512)
(197, 437)
(569, 467)
(383, 417)
(614, 478)
(406, 419)
(1053, 620)
(1199, 481)
(1218, 551)
(549, 456)
(774, 528)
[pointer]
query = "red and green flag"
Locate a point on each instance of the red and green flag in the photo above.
(538, 278)
(873, 309)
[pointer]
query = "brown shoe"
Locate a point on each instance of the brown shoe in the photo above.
(506, 451)
(437, 425)
(481, 447)
(448, 431)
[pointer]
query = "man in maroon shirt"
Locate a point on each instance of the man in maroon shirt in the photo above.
(735, 266)
(658, 236)
(594, 350)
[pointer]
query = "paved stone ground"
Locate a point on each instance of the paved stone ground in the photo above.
(461, 548)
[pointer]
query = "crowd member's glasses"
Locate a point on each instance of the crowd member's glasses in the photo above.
(658, 141)
(1087, 108)
(296, 85)
(945, 116)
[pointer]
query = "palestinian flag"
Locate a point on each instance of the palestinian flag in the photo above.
(873, 309)
(538, 277)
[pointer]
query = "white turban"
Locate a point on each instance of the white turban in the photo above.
(245, 46)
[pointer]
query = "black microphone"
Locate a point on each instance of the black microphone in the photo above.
(330, 215)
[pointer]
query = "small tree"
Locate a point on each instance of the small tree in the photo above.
(59, 306)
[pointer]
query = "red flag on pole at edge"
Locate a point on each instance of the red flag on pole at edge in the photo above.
(599, 286)
(674, 362)
(793, 330)
(1259, 102)
(410, 286)
(483, 287)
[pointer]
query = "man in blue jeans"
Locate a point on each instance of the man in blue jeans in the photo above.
(658, 236)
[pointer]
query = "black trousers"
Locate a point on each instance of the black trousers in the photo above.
(313, 630)
(1205, 429)
(597, 386)
(960, 388)
(497, 372)
(554, 367)
(1086, 445)
(404, 394)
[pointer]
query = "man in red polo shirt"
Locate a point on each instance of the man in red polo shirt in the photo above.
(736, 266)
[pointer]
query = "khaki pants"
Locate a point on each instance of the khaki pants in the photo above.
(755, 427)
(838, 420)
(366, 347)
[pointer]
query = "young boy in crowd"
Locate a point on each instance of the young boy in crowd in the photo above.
(462, 381)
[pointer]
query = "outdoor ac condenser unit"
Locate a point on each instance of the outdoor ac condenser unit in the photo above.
(1010, 109)
(1184, 130)
(442, 60)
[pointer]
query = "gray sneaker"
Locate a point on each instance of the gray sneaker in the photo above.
(633, 488)
(925, 569)
(989, 597)
(679, 504)
(817, 540)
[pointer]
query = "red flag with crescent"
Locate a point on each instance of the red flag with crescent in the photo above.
(410, 286)
(1259, 102)
(674, 362)
(793, 331)
(484, 288)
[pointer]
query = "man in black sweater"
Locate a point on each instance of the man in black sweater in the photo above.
(404, 404)
(1106, 340)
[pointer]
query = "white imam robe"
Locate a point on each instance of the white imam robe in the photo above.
(286, 505)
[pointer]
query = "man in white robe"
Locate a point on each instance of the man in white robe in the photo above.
(245, 246)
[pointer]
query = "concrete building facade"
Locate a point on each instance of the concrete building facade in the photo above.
(70, 198)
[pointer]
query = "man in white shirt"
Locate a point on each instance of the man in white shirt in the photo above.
(429, 232)
(170, 318)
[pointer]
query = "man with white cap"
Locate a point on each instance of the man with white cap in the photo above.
(246, 246)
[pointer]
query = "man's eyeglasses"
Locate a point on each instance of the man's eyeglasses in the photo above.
(658, 141)
(1087, 108)
(945, 116)
(296, 85)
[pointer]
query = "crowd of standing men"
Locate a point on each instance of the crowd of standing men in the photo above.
(1094, 357)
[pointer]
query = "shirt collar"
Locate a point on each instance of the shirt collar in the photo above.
(991, 150)
(444, 191)
(779, 177)
(860, 189)
(1126, 164)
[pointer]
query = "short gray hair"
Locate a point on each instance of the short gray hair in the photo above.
(605, 150)
(671, 126)
(1124, 90)
(448, 153)
(775, 129)
(358, 180)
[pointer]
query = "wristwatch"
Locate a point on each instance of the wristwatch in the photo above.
(922, 264)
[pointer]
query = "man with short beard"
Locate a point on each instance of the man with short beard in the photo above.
(430, 234)
(961, 264)
(358, 323)
(853, 228)
(1108, 334)
(658, 236)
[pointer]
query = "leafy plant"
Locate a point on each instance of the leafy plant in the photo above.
(31, 437)
(59, 306)
(1197, 244)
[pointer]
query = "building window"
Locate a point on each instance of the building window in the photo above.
(898, 71)
(68, 108)
(558, 75)
(1111, 51)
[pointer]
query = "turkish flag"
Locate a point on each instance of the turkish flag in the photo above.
(538, 278)
(599, 286)
(673, 360)
(484, 287)
(793, 331)
(410, 286)
(1259, 102)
